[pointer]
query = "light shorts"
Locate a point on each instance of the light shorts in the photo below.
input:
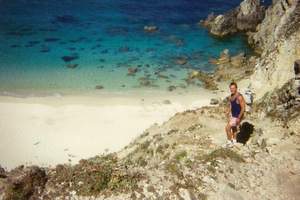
(233, 121)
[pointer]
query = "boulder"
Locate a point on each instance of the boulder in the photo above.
(238, 60)
(214, 101)
(224, 24)
(25, 183)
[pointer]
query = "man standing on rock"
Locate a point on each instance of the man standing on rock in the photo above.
(235, 114)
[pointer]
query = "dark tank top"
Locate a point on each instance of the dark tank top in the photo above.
(235, 107)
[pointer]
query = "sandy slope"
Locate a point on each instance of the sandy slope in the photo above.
(51, 130)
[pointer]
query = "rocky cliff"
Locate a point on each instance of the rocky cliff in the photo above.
(243, 18)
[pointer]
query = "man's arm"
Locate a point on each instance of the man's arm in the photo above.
(228, 110)
(243, 105)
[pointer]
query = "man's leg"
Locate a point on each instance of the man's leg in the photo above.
(228, 132)
(234, 133)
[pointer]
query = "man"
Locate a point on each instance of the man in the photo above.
(235, 114)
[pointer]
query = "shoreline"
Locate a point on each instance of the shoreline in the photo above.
(64, 129)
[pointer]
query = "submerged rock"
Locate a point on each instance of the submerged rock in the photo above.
(145, 81)
(171, 88)
(150, 29)
(66, 19)
(175, 40)
(72, 66)
(51, 39)
(44, 49)
(99, 87)
(181, 60)
(132, 71)
(70, 58)
(124, 49)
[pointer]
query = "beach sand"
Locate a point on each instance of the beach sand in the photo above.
(60, 129)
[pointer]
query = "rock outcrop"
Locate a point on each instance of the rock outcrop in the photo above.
(243, 18)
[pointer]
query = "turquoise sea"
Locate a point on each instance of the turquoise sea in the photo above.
(70, 46)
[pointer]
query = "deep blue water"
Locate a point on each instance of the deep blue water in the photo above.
(101, 39)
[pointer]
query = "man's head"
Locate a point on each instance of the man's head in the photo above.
(233, 87)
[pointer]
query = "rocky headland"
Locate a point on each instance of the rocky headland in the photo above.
(183, 158)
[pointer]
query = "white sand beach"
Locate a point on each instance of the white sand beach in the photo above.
(60, 129)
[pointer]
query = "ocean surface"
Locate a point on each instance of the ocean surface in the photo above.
(54, 46)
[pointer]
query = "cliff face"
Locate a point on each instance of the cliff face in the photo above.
(277, 39)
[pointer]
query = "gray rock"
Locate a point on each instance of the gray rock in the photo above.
(171, 88)
(214, 101)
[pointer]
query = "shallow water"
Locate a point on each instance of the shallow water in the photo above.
(76, 45)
